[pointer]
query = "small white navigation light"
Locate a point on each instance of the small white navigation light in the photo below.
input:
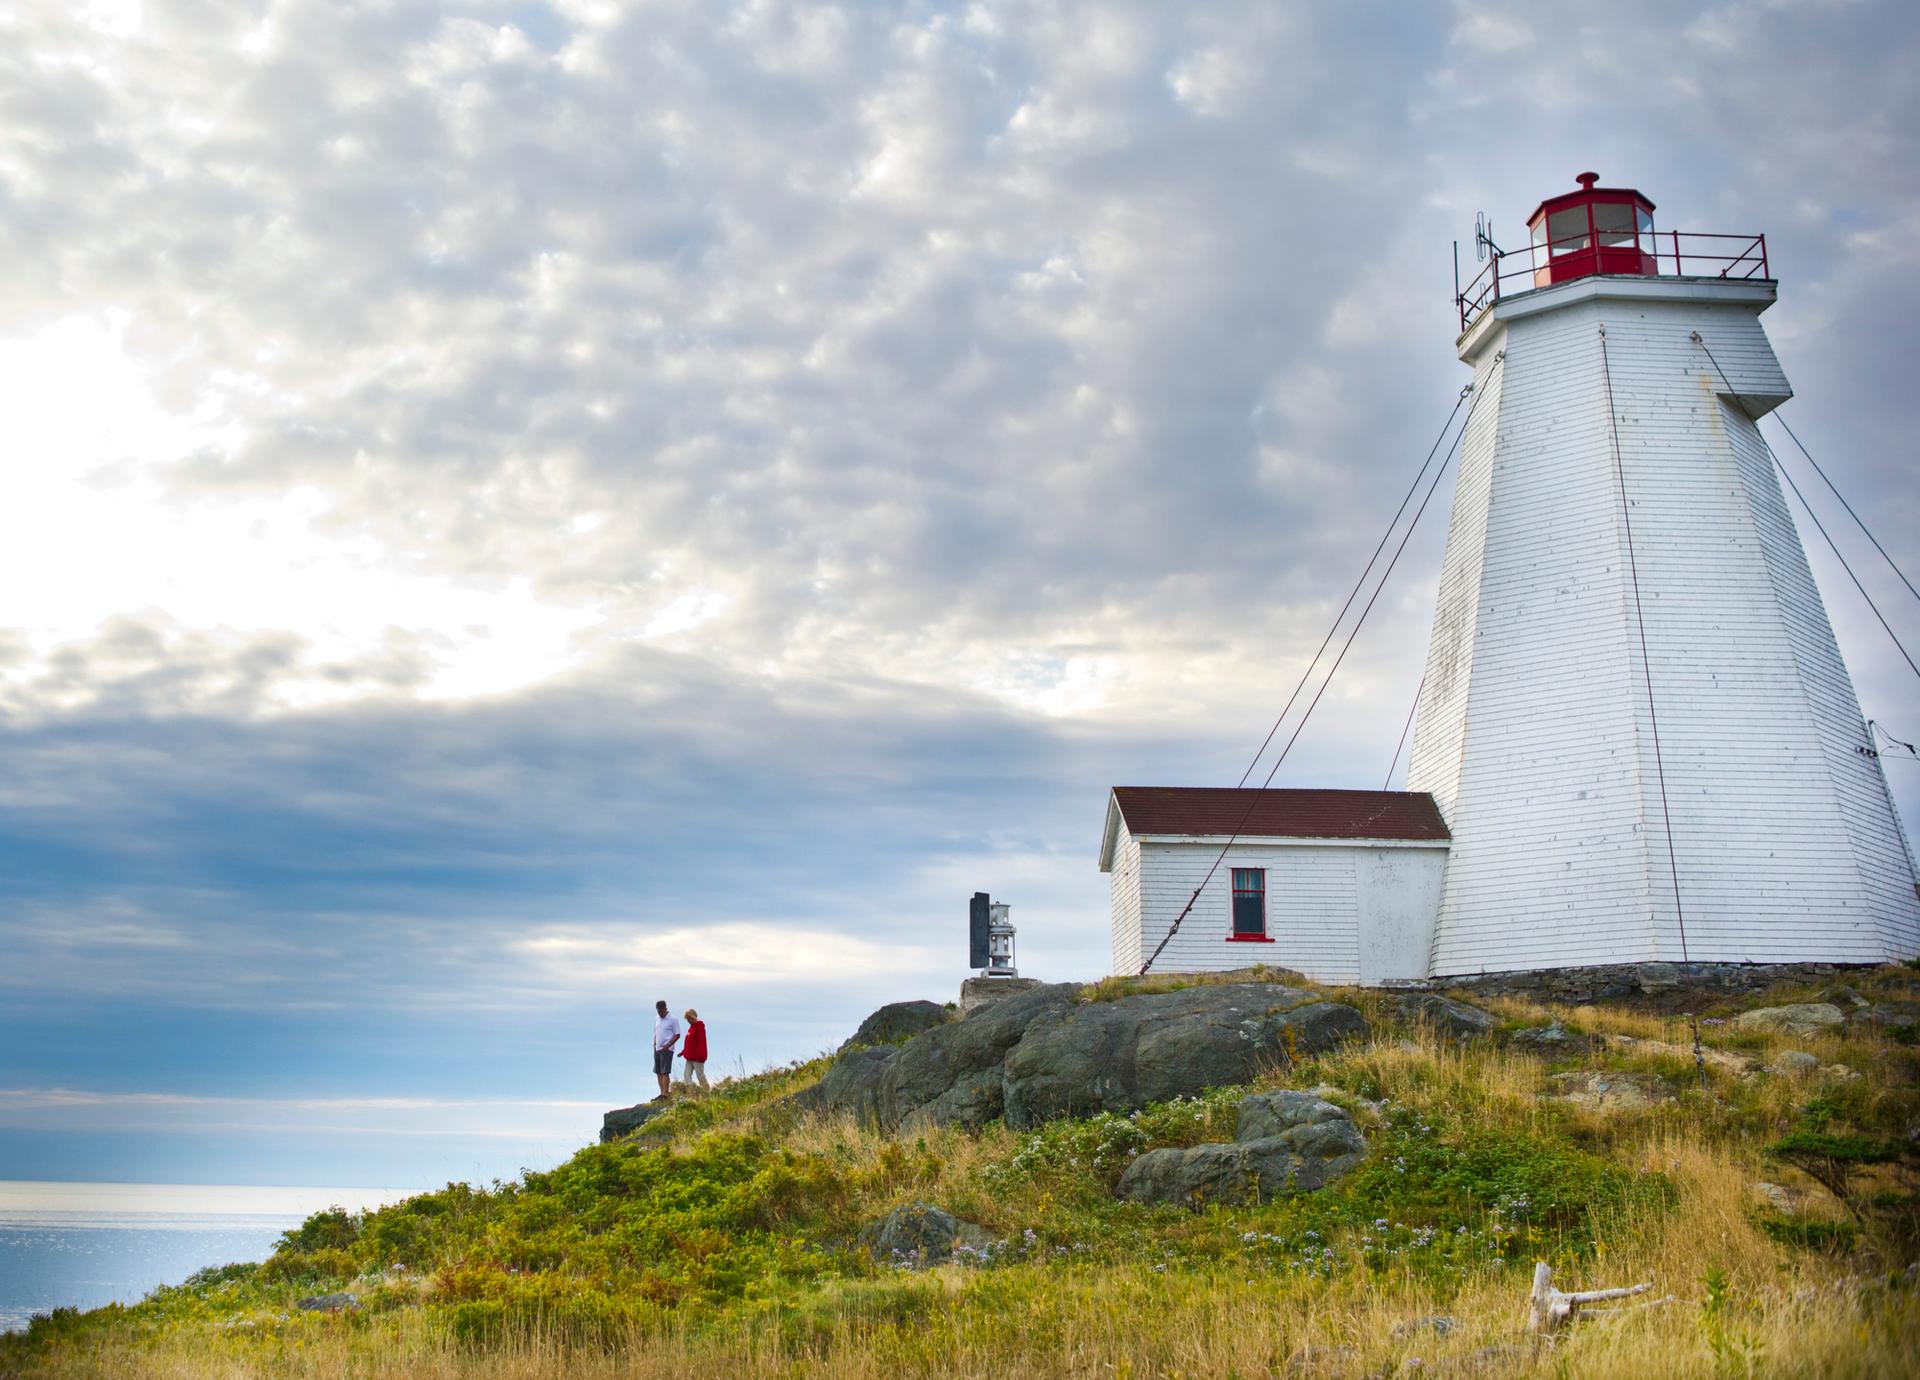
(1000, 942)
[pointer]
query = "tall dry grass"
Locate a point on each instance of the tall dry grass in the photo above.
(1026, 1323)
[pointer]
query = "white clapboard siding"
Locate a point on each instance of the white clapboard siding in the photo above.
(1125, 892)
(1321, 899)
(1535, 733)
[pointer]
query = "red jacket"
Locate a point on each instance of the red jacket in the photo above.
(694, 1050)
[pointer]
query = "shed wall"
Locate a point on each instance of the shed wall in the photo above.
(1321, 901)
(1124, 893)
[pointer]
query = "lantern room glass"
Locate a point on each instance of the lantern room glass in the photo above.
(1592, 232)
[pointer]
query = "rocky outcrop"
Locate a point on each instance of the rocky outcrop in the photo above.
(1120, 1055)
(1285, 1142)
(329, 1303)
(852, 1084)
(1609, 1092)
(1553, 1041)
(898, 1021)
(921, 1234)
(1890, 1013)
(951, 1075)
(1042, 1053)
(624, 1121)
(1737, 1064)
(1800, 1018)
(977, 992)
(1443, 1015)
(1788, 1200)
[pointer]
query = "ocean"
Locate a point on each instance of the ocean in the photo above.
(75, 1245)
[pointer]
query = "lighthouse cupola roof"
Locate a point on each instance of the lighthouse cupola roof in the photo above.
(1594, 230)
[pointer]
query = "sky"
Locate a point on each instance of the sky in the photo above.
(513, 510)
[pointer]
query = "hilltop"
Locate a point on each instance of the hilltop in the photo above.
(912, 1208)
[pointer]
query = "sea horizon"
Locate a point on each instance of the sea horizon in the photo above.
(84, 1244)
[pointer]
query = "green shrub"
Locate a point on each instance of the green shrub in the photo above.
(1091, 1154)
(332, 1229)
(478, 1323)
(1810, 1235)
(1834, 1159)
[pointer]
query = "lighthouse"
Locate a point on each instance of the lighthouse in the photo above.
(1635, 722)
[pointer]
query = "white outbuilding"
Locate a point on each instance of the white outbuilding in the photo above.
(1342, 886)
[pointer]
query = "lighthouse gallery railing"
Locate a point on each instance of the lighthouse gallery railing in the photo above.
(1666, 253)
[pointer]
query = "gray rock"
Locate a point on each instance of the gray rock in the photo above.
(1738, 1064)
(978, 992)
(1274, 1114)
(898, 1021)
(1040, 1053)
(1552, 1041)
(1454, 1019)
(948, 1075)
(1287, 1142)
(952, 1075)
(1440, 1324)
(1889, 1013)
(1778, 1198)
(1121, 1055)
(1840, 1073)
(1606, 1091)
(851, 1085)
(328, 1303)
(624, 1121)
(921, 1234)
(1801, 1018)
(1792, 1062)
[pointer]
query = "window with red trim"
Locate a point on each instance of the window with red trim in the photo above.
(1249, 901)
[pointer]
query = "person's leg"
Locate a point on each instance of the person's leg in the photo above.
(663, 1069)
(697, 1073)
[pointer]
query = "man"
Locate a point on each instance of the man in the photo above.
(666, 1034)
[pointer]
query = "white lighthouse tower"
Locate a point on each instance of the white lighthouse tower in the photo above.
(1635, 720)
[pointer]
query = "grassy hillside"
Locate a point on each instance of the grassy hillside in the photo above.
(726, 1241)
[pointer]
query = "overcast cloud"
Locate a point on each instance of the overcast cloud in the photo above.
(514, 509)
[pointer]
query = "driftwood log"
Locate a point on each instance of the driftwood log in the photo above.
(1550, 1309)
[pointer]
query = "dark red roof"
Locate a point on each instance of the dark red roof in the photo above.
(1277, 813)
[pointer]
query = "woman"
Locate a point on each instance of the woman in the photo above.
(694, 1050)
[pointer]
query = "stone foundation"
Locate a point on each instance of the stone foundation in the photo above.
(1577, 986)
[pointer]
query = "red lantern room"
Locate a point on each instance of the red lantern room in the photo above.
(1593, 230)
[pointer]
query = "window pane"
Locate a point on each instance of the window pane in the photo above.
(1568, 230)
(1613, 222)
(1249, 900)
(1249, 913)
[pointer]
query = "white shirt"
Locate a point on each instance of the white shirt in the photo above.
(666, 1029)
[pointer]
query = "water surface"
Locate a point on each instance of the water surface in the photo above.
(80, 1245)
